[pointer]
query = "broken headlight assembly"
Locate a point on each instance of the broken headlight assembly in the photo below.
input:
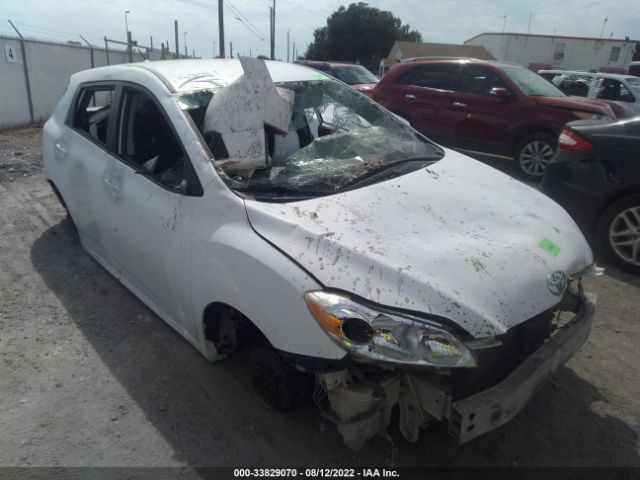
(388, 337)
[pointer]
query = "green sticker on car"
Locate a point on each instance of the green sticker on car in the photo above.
(550, 247)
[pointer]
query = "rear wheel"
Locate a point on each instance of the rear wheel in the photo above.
(534, 153)
(619, 233)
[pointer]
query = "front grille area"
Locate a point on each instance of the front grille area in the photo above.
(494, 364)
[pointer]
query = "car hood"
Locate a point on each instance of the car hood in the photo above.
(457, 239)
(576, 103)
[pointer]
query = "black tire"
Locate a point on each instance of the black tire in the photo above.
(621, 216)
(283, 388)
(533, 153)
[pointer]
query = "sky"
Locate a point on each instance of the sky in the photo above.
(445, 21)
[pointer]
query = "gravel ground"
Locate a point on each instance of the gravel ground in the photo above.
(90, 377)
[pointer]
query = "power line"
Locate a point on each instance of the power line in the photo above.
(244, 20)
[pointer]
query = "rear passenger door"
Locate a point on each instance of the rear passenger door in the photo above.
(80, 155)
(426, 94)
(149, 188)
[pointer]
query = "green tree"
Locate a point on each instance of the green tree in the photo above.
(359, 33)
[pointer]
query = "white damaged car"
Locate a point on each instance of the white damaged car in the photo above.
(266, 202)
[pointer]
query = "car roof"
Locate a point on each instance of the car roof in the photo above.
(330, 63)
(189, 75)
(426, 60)
(619, 76)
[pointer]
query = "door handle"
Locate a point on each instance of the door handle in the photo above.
(61, 149)
(410, 96)
(111, 185)
(459, 104)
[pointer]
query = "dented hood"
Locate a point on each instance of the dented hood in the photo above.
(457, 239)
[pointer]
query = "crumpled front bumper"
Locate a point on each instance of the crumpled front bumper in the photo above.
(364, 409)
(480, 413)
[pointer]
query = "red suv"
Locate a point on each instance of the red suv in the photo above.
(352, 74)
(494, 108)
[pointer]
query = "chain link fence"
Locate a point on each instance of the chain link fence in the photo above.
(35, 73)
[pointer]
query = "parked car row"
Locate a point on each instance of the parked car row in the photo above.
(621, 91)
(352, 74)
(487, 107)
(595, 176)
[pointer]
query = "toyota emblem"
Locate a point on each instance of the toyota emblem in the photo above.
(557, 282)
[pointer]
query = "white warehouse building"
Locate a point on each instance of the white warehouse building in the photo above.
(555, 51)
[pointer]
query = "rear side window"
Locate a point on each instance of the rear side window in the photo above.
(92, 111)
(438, 76)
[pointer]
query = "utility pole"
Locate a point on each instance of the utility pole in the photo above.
(230, 49)
(293, 51)
(272, 11)
(129, 47)
(221, 27)
(288, 37)
(604, 24)
(151, 43)
(186, 52)
(175, 26)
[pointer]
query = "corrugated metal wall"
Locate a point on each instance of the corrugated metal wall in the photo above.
(50, 65)
(14, 106)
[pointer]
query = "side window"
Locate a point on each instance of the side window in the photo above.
(438, 76)
(410, 77)
(92, 111)
(625, 94)
(479, 80)
(147, 140)
(614, 56)
(611, 89)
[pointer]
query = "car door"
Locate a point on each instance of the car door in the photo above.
(81, 151)
(426, 94)
(482, 119)
(149, 191)
(620, 95)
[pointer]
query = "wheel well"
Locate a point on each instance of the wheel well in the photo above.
(531, 130)
(228, 328)
(631, 190)
(57, 193)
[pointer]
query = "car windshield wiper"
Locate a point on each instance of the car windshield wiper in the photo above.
(377, 172)
(267, 189)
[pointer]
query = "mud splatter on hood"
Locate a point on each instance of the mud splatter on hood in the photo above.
(457, 239)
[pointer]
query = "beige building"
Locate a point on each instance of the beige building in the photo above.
(403, 50)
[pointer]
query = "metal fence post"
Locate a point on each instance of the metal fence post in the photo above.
(90, 49)
(26, 72)
(106, 49)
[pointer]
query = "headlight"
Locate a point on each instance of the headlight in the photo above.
(591, 116)
(387, 337)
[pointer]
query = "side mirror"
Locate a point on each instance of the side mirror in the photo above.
(499, 92)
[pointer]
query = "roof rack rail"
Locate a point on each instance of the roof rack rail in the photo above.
(439, 57)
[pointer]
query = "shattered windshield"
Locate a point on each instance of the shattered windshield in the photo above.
(334, 139)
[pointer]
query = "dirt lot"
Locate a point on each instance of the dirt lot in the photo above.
(90, 377)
